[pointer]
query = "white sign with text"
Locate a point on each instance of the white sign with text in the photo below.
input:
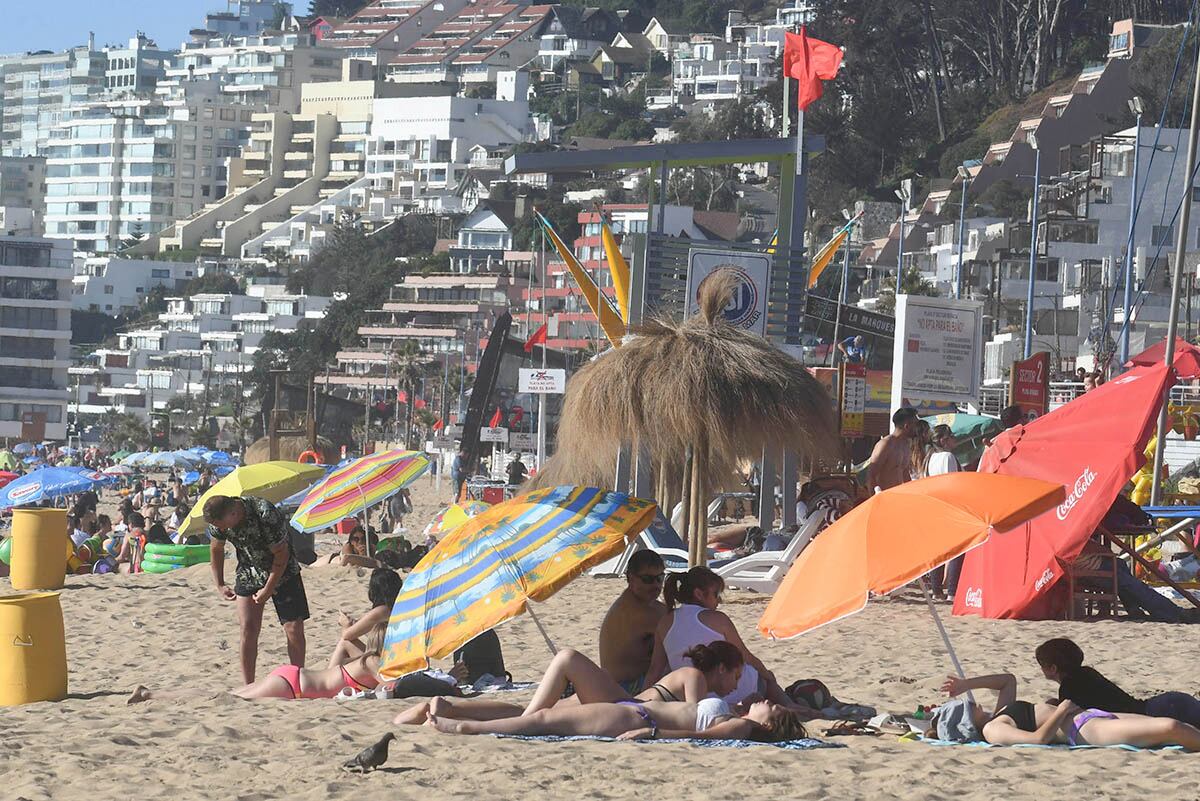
(938, 351)
(542, 382)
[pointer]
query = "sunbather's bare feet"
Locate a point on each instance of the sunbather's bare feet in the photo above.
(414, 716)
(139, 695)
(443, 725)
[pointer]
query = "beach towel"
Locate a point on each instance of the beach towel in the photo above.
(1059, 746)
(806, 744)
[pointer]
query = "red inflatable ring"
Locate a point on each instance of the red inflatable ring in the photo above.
(309, 457)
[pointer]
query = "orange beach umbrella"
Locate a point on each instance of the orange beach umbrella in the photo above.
(898, 536)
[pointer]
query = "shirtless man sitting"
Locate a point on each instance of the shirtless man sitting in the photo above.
(627, 633)
(891, 461)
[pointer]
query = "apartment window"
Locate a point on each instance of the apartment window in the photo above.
(24, 256)
(108, 289)
(27, 347)
(187, 190)
(189, 152)
(28, 289)
(208, 132)
(228, 114)
(206, 151)
(189, 133)
(17, 411)
(1196, 194)
(1162, 235)
(206, 170)
(205, 190)
(188, 171)
(209, 113)
(28, 317)
(41, 377)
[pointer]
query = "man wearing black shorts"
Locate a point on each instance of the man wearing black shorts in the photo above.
(266, 568)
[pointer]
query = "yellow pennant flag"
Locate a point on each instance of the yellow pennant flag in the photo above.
(825, 255)
(618, 268)
(610, 321)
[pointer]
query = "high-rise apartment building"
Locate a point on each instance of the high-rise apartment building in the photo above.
(122, 170)
(35, 337)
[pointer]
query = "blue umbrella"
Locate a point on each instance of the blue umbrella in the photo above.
(47, 483)
(218, 458)
(224, 469)
(191, 477)
(23, 447)
(171, 460)
(135, 459)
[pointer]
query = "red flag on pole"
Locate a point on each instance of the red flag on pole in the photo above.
(538, 338)
(438, 425)
(810, 62)
(402, 397)
(497, 419)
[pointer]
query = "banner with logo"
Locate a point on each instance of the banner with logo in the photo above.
(854, 399)
(748, 308)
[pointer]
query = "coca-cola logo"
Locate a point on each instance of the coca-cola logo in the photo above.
(973, 598)
(1081, 486)
(1043, 580)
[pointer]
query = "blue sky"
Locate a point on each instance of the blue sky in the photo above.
(59, 24)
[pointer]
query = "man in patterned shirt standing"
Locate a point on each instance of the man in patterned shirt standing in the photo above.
(266, 568)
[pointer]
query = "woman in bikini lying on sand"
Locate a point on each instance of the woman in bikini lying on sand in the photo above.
(290, 682)
(611, 715)
(715, 668)
(1019, 722)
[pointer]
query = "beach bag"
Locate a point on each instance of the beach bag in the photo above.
(482, 655)
(811, 693)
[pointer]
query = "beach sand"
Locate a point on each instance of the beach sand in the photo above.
(174, 632)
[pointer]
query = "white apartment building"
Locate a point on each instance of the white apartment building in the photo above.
(420, 147)
(123, 170)
(35, 337)
(265, 69)
(246, 17)
(114, 285)
(38, 89)
(196, 345)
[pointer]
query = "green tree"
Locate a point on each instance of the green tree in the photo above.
(213, 283)
(911, 284)
(123, 430)
(409, 365)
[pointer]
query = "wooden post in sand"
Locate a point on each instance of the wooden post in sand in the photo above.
(697, 545)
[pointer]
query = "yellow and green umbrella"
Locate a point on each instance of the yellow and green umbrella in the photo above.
(271, 481)
(360, 484)
(487, 570)
(452, 517)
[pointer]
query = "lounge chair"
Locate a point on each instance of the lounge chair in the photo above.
(764, 571)
(658, 536)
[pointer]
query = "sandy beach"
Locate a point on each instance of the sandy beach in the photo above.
(173, 631)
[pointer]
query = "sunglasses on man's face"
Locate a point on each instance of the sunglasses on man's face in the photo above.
(651, 578)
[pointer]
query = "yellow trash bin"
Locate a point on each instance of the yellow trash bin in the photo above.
(39, 549)
(33, 649)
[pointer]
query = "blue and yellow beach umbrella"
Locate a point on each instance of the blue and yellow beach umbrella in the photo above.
(486, 570)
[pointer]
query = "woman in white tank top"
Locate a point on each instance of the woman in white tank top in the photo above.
(696, 622)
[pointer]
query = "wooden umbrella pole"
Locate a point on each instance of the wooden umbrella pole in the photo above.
(695, 531)
(700, 504)
(686, 500)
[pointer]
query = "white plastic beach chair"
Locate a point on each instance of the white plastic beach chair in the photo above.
(764, 571)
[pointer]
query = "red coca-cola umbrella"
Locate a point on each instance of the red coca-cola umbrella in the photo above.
(1187, 357)
(6, 476)
(1092, 446)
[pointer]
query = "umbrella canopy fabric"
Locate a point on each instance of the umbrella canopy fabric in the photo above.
(1187, 357)
(895, 537)
(171, 460)
(136, 459)
(9, 460)
(23, 448)
(119, 470)
(452, 517)
(6, 477)
(966, 426)
(488, 569)
(1092, 445)
(361, 483)
(121, 454)
(49, 482)
(272, 481)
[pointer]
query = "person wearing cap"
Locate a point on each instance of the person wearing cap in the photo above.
(961, 720)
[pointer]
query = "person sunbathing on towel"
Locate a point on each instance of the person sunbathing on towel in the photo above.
(1016, 722)
(715, 669)
(291, 682)
(629, 719)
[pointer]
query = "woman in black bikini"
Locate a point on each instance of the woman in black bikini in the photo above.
(1019, 722)
(716, 668)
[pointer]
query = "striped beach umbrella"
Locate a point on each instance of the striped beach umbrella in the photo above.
(488, 569)
(359, 485)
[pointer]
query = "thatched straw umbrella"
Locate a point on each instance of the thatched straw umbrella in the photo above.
(697, 396)
(290, 448)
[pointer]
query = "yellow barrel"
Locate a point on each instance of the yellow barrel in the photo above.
(33, 649)
(39, 549)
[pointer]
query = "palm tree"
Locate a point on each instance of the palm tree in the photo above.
(409, 364)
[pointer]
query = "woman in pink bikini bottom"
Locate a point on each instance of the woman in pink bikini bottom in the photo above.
(290, 681)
